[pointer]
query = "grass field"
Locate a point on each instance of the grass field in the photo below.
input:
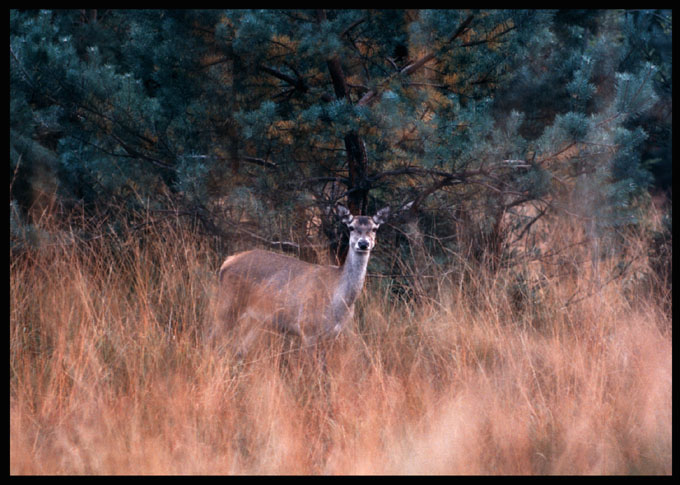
(108, 373)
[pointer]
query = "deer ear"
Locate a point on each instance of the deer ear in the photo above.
(382, 215)
(344, 214)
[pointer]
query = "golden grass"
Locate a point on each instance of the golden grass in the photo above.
(108, 375)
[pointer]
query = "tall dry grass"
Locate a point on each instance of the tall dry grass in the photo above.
(108, 374)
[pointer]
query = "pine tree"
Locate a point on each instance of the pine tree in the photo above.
(278, 114)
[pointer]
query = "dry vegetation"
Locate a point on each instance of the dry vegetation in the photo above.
(108, 374)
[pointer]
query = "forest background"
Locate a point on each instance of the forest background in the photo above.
(536, 147)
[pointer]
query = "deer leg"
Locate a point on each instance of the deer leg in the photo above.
(250, 326)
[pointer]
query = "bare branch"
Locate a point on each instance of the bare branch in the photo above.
(352, 25)
(298, 83)
(260, 161)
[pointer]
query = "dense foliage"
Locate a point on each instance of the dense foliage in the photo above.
(517, 314)
(255, 122)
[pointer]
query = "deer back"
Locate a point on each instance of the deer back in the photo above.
(290, 292)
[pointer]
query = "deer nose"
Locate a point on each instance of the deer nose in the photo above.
(363, 245)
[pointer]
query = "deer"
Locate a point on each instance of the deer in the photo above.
(262, 291)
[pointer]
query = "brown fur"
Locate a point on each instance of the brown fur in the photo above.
(260, 290)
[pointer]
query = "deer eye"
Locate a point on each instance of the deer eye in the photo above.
(351, 228)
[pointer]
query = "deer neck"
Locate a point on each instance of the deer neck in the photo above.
(349, 287)
(352, 277)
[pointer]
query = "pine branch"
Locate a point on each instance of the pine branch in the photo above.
(410, 69)
(352, 25)
(413, 67)
(487, 40)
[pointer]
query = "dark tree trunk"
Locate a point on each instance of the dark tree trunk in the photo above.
(357, 162)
